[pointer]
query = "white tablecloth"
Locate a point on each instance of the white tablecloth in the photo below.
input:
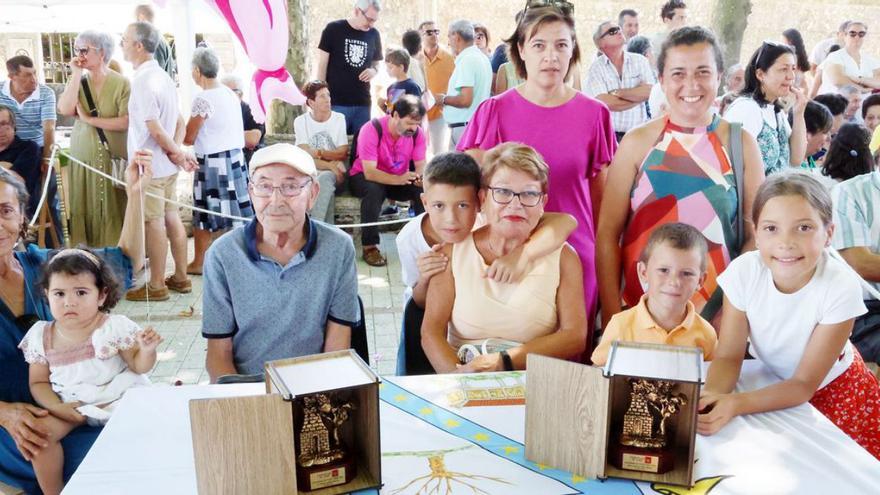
(146, 448)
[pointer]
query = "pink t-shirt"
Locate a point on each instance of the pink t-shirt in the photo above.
(391, 156)
(576, 140)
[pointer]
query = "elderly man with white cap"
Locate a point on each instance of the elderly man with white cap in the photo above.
(284, 285)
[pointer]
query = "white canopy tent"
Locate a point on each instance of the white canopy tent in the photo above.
(182, 18)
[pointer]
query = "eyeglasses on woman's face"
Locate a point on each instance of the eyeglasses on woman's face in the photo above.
(504, 196)
(82, 51)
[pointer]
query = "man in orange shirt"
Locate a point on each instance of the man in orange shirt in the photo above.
(438, 64)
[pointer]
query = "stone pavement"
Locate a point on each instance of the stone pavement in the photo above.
(182, 354)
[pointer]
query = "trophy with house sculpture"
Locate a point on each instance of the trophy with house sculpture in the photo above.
(645, 443)
(323, 460)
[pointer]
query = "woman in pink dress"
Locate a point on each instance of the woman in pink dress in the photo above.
(573, 132)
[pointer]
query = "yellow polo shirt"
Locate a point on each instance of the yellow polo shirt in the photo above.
(438, 70)
(637, 325)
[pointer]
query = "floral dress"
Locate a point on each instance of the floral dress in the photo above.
(91, 372)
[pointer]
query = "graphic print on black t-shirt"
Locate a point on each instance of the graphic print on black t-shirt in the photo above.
(355, 53)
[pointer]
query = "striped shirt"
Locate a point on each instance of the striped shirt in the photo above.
(602, 78)
(32, 112)
(857, 214)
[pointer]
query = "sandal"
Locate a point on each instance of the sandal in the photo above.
(373, 257)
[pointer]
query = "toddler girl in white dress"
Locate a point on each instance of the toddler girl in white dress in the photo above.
(83, 361)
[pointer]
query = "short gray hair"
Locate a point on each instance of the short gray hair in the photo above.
(366, 4)
(146, 35)
(206, 61)
(597, 34)
(464, 29)
(101, 41)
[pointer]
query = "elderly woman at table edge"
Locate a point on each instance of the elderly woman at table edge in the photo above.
(675, 169)
(544, 313)
(21, 304)
(97, 206)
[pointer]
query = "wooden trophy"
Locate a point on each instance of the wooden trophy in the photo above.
(316, 430)
(634, 419)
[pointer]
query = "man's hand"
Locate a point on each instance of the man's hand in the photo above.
(408, 178)
(22, 422)
(67, 411)
(139, 171)
(367, 74)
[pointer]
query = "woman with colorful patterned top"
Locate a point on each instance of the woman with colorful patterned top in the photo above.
(770, 77)
(676, 168)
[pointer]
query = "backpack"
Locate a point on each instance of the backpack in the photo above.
(352, 151)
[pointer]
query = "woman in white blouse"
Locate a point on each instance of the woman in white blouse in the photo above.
(849, 65)
(216, 131)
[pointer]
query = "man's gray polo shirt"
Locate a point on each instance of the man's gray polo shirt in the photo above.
(273, 311)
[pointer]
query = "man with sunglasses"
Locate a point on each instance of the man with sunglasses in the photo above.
(284, 285)
(348, 55)
(438, 64)
(620, 79)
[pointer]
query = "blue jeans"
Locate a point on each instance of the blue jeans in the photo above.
(355, 117)
(17, 472)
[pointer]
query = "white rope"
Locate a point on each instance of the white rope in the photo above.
(45, 193)
(194, 208)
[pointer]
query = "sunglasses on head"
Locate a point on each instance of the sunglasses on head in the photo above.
(564, 6)
(860, 34)
(768, 44)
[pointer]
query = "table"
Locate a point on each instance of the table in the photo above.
(146, 448)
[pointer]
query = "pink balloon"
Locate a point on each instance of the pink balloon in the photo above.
(261, 27)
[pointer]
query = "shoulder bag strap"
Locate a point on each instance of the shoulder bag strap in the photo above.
(93, 111)
(734, 143)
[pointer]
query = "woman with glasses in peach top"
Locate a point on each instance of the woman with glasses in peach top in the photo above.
(544, 313)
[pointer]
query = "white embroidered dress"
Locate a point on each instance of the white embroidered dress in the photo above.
(92, 372)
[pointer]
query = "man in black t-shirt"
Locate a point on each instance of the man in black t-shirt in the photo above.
(349, 51)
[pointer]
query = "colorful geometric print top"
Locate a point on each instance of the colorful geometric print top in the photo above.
(686, 177)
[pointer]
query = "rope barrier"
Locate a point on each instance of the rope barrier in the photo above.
(94, 170)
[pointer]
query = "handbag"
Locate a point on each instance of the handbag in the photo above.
(117, 165)
(734, 143)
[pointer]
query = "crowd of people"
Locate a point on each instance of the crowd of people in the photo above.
(659, 194)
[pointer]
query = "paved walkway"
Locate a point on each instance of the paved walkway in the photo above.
(182, 354)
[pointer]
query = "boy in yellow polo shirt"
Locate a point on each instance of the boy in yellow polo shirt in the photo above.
(672, 267)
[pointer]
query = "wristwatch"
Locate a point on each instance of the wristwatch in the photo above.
(508, 362)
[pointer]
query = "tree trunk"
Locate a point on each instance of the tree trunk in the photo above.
(729, 21)
(281, 114)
